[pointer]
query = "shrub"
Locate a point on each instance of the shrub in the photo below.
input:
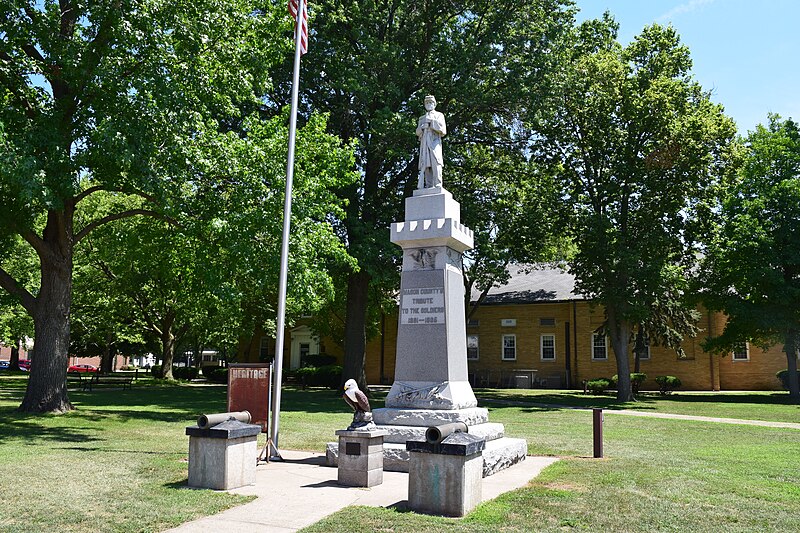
(185, 372)
(598, 385)
(783, 375)
(318, 360)
(329, 376)
(206, 371)
(667, 384)
(216, 374)
(156, 370)
(637, 378)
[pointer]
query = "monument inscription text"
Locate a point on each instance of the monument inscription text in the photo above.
(424, 305)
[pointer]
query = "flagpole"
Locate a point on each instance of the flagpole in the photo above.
(287, 218)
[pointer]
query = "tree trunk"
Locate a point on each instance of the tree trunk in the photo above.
(638, 350)
(47, 385)
(106, 360)
(198, 355)
(355, 333)
(791, 348)
(13, 363)
(620, 331)
(167, 347)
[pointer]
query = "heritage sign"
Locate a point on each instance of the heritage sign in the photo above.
(249, 389)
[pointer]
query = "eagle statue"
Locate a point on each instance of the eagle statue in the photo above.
(362, 418)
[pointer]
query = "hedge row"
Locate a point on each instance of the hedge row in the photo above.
(666, 384)
(329, 376)
(178, 372)
(783, 375)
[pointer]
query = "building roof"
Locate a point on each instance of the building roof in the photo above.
(532, 284)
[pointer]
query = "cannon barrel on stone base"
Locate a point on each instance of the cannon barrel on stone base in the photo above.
(207, 421)
(436, 434)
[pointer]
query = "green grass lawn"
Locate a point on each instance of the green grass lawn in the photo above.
(771, 406)
(118, 463)
(658, 475)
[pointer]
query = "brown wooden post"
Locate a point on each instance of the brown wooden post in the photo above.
(597, 419)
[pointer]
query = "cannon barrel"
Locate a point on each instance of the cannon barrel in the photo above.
(207, 421)
(436, 434)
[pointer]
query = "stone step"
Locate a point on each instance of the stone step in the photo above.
(499, 454)
(401, 434)
(390, 416)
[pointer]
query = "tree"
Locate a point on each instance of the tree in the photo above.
(752, 264)
(216, 273)
(110, 96)
(370, 64)
(516, 206)
(639, 147)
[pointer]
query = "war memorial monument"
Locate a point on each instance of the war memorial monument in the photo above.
(430, 382)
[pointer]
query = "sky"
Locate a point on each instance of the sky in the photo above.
(746, 52)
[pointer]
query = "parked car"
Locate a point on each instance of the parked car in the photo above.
(82, 368)
(4, 364)
(24, 364)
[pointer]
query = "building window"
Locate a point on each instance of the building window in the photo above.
(472, 347)
(599, 347)
(508, 322)
(547, 347)
(645, 356)
(473, 323)
(509, 347)
(741, 352)
(266, 348)
(547, 321)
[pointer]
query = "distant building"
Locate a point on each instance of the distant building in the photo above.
(535, 331)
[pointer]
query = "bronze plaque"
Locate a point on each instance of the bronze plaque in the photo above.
(249, 388)
(352, 448)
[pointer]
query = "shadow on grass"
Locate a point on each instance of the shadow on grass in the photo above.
(112, 450)
(27, 429)
(183, 484)
(168, 403)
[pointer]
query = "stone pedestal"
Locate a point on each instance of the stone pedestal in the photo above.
(446, 478)
(431, 363)
(224, 456)
(360, 458)
(430, 381)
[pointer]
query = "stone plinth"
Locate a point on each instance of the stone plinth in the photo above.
(360, 458)
(446, 478)
(224, 456)
(430, 381)
(431, 361)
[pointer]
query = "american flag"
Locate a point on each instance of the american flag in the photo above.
(303, 24)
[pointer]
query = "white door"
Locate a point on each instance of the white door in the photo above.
(304, 342)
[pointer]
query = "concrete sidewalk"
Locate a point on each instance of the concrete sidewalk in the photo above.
(300, 491)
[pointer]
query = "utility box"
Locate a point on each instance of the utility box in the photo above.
(446, 478)
(224, 456)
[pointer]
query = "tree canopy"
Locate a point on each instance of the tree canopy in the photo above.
(752, 264)
(639, 147)
(119, 97)
(370, 65)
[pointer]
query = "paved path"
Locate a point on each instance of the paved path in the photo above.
(746, 422)
(765, 423)
(300, 491)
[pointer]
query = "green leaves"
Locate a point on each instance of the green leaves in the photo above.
(636, 141)
(752, 266)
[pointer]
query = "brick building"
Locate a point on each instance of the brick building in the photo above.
(534, 331)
